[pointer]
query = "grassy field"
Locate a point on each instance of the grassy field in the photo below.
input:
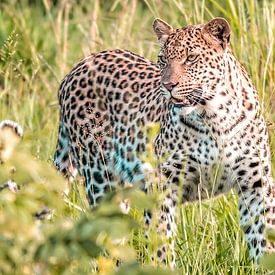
(40, 41)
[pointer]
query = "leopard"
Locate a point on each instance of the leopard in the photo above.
(211, 123)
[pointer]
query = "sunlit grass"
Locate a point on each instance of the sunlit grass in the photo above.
(41, 42)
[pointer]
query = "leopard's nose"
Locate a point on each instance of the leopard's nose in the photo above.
(169, 86)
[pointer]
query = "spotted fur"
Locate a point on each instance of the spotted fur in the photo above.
(212, 137)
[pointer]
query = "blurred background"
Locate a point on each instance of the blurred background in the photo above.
(40, 41)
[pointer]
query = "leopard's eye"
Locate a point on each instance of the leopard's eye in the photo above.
(162, 61)
(192, 58)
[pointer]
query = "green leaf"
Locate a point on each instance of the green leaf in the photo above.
(135, 269)
(268, 261)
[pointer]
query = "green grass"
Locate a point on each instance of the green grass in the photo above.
(40, 42)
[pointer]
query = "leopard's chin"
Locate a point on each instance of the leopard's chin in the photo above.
(184, 110)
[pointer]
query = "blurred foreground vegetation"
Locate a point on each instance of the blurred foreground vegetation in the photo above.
(40, 41)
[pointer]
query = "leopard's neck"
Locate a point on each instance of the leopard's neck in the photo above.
(236, 102)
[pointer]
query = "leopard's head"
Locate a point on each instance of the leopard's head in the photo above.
(191, 60)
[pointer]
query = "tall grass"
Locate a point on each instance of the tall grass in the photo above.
(40, 41)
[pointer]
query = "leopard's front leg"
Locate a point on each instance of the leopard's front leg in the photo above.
(166, 219)
(257, 208)
(166, 228)
(172, 189)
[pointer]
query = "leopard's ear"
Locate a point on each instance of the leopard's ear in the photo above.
(218, 29)
(162, 30)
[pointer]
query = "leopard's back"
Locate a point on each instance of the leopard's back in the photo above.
(106, 102)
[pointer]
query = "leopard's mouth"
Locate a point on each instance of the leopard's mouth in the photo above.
(183, 102)
(191, 99)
